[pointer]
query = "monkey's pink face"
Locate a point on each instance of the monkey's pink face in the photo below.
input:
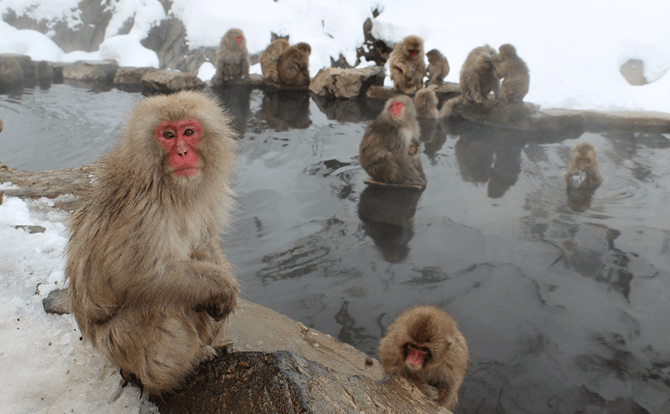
(413, 53)
(238, 38)
(416, 356)
(180, 139)
(396, 108)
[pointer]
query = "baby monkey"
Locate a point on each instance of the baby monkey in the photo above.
(425, 346)
(583, 171)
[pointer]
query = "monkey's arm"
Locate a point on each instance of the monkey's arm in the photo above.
(403, 69)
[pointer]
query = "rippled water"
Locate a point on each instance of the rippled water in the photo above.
(565, 302)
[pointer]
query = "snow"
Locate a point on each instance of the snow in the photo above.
(573, 48)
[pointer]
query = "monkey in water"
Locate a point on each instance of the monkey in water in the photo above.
(149, 284)
(425, 346)
(477, 75)
(583, 171)
(407, 66)
(515, 74)
(232, 57)
(438, 67)
(389, 150)
(270, 59)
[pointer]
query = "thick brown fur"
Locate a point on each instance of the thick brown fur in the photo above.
(149, 284)
(389, 149)
(293, 66)
(407, 72)
(446, 363)
(270, 59)
(425, 102)
(583, 171)
(477, 75)
(232, 61)
(438, 67)
(514, 72)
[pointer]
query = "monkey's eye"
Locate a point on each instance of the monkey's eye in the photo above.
(188, 132)
(168, 135)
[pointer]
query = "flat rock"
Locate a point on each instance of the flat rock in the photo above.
(253, 80)
(600, 121)
(130, 76)
(444, 91)
(56, 302)
(91, 71)
(285, 382)
(346, 83)
(168, 81)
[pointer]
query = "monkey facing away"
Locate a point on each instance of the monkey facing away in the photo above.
(583, 171)
(232, 57)
(477, 76)
(514, 72)
(425, 102)
(389, 150)
(270, 59)
(407, 66)
(149, 284)
(438, 67)
(425, 346)
(293, 66)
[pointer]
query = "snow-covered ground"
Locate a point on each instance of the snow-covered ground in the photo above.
(574, 48)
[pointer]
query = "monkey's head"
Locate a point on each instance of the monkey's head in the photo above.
(433, 55)
(413, 47)
(305, 47)
(235, 38)
(584, 155)
(507, 50)
(400, 109)
(426, 340)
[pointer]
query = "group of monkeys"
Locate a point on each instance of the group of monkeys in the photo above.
(149, 284)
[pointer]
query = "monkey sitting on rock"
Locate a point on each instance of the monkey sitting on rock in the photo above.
(389, 150)
(407, 66)
(232, 57)
(438, 67)
(284, 65)
(477, 78)
(509, 67)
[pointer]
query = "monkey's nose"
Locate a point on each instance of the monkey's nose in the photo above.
(182, 149)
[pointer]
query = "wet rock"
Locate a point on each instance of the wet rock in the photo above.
(56, 302)
(446, 90)
(130, 79)
(285, 382)
(346, 83)
(91, 71)
(633, 72)
(44, 71)
(597, 121)
(31, 229)
(11, 74)
(168, 81)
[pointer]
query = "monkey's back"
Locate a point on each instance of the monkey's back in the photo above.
(270, 58)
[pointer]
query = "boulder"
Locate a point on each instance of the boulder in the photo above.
(168, 81)
(346, 83)
(11, 74)
(91, 71)
(129, 78)
(633, 71)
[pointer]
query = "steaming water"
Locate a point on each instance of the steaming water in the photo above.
(565, 302)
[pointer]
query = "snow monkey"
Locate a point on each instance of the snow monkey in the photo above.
(232, 57)
(583, 171)
(407, 66)
(389, 150)
(438, 67)
(425, 346)
(477, 76)
(149, 284)
(425, 102)
(270, 59)
(293, 66)
(515, 73)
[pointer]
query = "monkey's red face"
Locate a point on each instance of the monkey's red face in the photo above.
(396, 108)
(238, 38)
(180, 139)
(413, 53)
(416, 356)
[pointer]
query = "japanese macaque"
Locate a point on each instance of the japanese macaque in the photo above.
(149, 284)
(425, 346)
(293, 66)
(583, 171)
(407, 66)
(389, 150)
(270, 59)
(425, 102)
(438, 67)
(477, 75)
(514, 72)
(232, 57)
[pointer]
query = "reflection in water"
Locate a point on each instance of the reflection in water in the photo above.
(433, 136)
(346, 110)
(284, 110)
(579, 199)
(236, 98)
(387, 213)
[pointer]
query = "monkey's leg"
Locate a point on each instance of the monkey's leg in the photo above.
(158, 348)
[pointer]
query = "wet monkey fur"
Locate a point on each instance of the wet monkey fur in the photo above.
(583, 171)
(407, 66)
(149, 284)
(389, 150)
(232, 57)
(425, 346)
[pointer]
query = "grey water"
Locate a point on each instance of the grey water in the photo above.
(564, 299)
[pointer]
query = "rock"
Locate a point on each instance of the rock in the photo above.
(597, 121)
(444, 91)
(91, 71)
(44, 71)
(130, 79)
(633, 72)
(168, 81)
(27, 65)
(31, 229)
(346, 83)
(56, 302)
(254, 80)
(11, 74)
(372, 49)
(285, 382)
(1, 125)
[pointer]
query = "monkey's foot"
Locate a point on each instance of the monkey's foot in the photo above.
(417, 187)
(130, 378)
